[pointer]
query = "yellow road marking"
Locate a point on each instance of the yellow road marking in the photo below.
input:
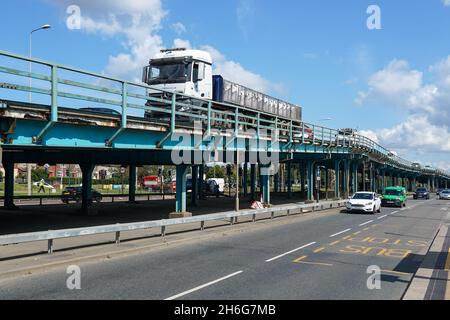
(356, 233)
(447, 263)
(300, 259)
(319, 250)
(345, 238)
(316, 263)
(366, 229)
(334, 243)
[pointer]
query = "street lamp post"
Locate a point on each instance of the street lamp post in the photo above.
(45, 26)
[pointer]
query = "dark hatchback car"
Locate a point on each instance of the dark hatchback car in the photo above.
(422, 193)
(74, 194)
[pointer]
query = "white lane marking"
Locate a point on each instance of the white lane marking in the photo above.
(203, 286)
(382, 217)
(363, 224)
(444, 209)
(292, 251)
(336, 234)
(394, 212)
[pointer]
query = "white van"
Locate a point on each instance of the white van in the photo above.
(220, 182)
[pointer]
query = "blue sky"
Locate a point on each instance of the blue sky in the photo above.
(392, 83)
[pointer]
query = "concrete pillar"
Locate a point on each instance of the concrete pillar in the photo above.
(310, 179)
(194, 190)
(374, 181)
(201, 173)
(289, 179)
(265, 185)
(383, 181)
(9, 185)
(86, 190)
(132, 183)
(327, 182)
(276, 181)
(346, 178)
(245, 183)
(338, 177)
(303, 178)
(355, 177)
(181, 188)
(253, 181)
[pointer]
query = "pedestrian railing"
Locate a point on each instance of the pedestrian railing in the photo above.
(231, 217)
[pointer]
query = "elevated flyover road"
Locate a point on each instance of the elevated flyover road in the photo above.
(328, 255)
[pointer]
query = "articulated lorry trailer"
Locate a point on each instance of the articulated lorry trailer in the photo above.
(189, 73)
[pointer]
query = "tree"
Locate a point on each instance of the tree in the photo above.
(1, 175)
(38, 174)
(216, 172)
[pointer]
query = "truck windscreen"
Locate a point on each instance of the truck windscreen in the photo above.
(161, 73)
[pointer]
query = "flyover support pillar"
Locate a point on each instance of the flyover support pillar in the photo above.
(310, 178)
(338, 178)
(132, 184)
(346, 178)
(9, 185)
(265, 185)
(181, 188)
(303, 178)
(86, 190)
(355, 177)
(289, 179)
(201, 174)
(253, 181)
(245, 180)
(194, 180)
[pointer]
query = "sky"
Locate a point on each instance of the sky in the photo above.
(391, 83)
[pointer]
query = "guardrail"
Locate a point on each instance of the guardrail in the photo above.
(117, 229)
(62, 82)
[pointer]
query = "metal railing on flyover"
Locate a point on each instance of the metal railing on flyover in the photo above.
(117, 229)
(134, 96)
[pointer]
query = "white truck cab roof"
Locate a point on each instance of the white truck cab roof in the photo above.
(197, 55)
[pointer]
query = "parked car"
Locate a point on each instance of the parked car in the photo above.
(439, 190)
(364, 202)
(74, 194)
(394, 196)
(444, 194)
(421, 193)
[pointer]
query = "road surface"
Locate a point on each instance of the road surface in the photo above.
(324, 257)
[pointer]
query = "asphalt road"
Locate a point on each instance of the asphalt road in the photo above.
(324, 257)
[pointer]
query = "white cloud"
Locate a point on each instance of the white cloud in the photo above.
(234, 71)
(369, 134)
(426, 129)
(180, 43)
(446, 3)
(137, 21)
(179, 28)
